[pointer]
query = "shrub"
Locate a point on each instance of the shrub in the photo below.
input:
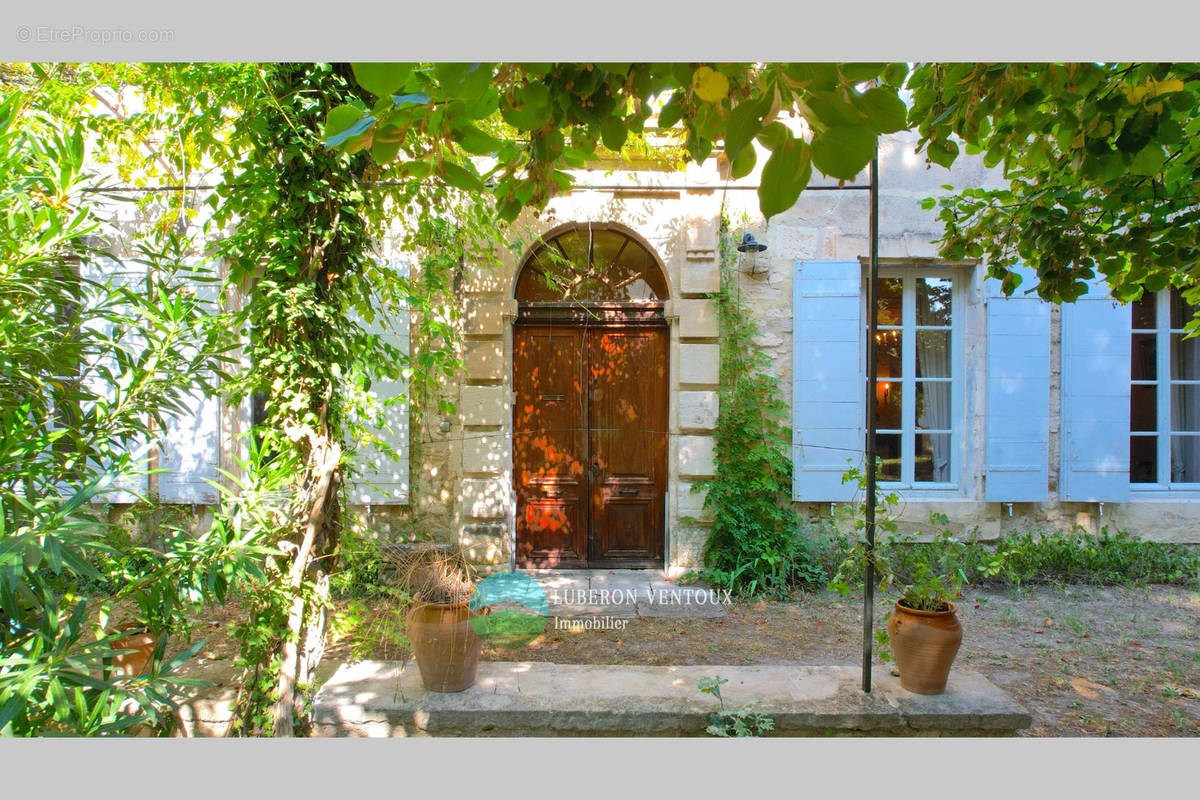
(1037, 557)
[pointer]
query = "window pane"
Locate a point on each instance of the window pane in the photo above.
(633, 275)
(1185, 358)
(1143, 408)
(932, 463)
(891, 293)
(1143, 459)
(1144, 357)
(1185, 459)
(1144, 311)
(1181, 312)
(888, 354)
(574, 247)
(887, 449)
(605, 246)
(933, 354)
(887, 404)
(933, 405)
(933, 301)
(1185, 403)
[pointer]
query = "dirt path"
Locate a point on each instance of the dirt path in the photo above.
(1085, 661)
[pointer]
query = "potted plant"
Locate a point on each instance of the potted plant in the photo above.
(440, 582)
(923, 630)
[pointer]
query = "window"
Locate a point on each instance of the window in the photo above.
(918, 383)
(595, 263)
(1164, 398)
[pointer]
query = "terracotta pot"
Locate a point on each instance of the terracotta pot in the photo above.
(142, 643)
(925, 644)
(445, 645)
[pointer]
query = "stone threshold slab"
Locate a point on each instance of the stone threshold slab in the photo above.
(382, 698)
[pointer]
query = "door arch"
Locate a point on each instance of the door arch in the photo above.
(590, 381)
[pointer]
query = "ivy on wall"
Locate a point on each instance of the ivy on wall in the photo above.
(756, 546)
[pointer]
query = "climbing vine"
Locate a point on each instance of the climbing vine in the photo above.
(756, 546)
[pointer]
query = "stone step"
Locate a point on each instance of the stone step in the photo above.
(381, 698)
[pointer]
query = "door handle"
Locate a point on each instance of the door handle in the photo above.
(629, 491)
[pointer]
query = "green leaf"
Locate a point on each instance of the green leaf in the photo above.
(943, 152)
(884, 109)
(774, 135)
(476, 142)
(745, 121)
(461, 178)
(784, 177)
(530, 108)
(1148, 161)
(467, 82)
(613, 133)
(861, 72)
(743, 165)
(384, 151)
(672, 112)
(698, 147)
(842, 151)
(816, 77)
(379, 79)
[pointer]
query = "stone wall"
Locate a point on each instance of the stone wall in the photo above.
(679, 215)
(461, 470)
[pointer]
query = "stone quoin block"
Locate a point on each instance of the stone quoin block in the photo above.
(484, 360)
(483, 405)
(484, 316)
(700, 277)
(698, 410)
(697, 319)
(699, 363)
(696, 455)
(483, 452)
(691, 504)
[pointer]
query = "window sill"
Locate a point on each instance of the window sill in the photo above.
(1163, 494)
(926, 491)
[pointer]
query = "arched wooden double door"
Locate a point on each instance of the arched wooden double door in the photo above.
(590, 377)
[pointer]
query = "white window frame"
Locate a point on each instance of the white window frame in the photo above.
(1163, 380)
(908, 432)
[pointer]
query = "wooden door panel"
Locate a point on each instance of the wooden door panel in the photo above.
(549, 446)
(627, 421)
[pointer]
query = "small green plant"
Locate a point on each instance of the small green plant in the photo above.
(737, 722)
(377, 633)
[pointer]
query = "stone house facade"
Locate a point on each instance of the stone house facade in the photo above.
(1002, 413)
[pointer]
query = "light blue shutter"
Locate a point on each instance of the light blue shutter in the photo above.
(190, 449)
(383, 480)
(131, 486)
(1018, 393)
(1095, 398)
(827, 385)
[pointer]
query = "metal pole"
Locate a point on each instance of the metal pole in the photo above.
(872, 374)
